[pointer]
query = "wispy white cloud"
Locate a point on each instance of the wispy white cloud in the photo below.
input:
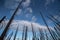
(49, 21)
(22, 23)
(28, 9)
(26, 3)
(28, 15)
(34, 18)
(28, 12)
(12, 4)
(19, 12)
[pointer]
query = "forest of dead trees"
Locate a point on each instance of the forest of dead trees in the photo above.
(54, 35)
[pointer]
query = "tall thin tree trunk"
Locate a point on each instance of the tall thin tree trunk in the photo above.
(10, 21)
(15, 33)
(46, 25)
(2, 19)
(26, 31)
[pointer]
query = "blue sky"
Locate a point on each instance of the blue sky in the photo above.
(35, 6)
(30, 10)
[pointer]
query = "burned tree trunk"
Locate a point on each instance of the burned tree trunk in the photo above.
(26, 31)
(54, 18)
(9, 37)
(2, 19)
(10, 21)
(46, 35)
(46, 25)
(54, 34)
(54, 21)
(15, 33)
(41, 34)
(23, 33)
(33, 32)
(57, 30)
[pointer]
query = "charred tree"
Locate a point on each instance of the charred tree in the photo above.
(15, 33)
(54, 34)
(33, 32)
(46, 35)
(23, 33)
(57, 30)
(9, 37)
(10, 21)
(41, 34)
(2, 19)
(26, 31)
(54, 18)
(54, 21)
(46, 25)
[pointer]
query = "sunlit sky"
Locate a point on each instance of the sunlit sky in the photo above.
(30, 10)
